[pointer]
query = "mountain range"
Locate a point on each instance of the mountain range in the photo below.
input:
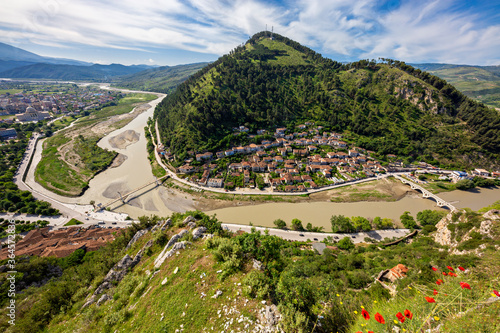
(387, 107)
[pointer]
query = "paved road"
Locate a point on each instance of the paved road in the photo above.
(357, 237)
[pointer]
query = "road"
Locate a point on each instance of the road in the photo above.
(357, 237)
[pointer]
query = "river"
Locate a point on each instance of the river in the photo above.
(135, 171)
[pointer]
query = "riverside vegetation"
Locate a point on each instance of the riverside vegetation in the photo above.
(387, 107)
(71, 157)
(12, 199)
(215, 283)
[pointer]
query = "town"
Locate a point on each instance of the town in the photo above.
(31, 102)
(295, 161)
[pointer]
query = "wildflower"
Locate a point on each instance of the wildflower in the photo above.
(496, 293)
(450, 268)
(365, 314)
(435, 292)
(400, 316)
(395, 321)
(436, 318)
(338, 295)
(444, 273)
(434, 268)
(464, 285)
(439, 282)
(430, 299)
(362, 307)
(356, 312)
(341, 303)
(461, 268)
(379, 318)
(408, 314)
(370, 331)
(452, 274)
(374, 301)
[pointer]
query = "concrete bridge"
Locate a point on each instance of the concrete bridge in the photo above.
(426, 194)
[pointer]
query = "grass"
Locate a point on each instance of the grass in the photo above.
(54, 172)
(495, 205)
(140, 301)
(292, 57)
(73, 222)
(456, 309)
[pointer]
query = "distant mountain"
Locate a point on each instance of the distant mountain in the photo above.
(481, 83)
(161, 79)
(8, 52)
(388, 107)
(19, 63)
(94, 72)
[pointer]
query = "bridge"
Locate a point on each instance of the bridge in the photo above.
(124, 197)
(426, 194)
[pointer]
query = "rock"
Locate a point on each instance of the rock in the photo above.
(3, 268)
(175, 248)
(198, 232)
(166, 224)
(103, 299)
(136, 237)
(257, 265)
(217, 294)
(270, 319)
(191, 225)
(176, 270)
(187, 220)
(164, 282)
(163, 255)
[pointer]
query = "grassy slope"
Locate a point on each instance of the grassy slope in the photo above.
(476, 82)
(55, 174)
(162, 79)
(178, 301)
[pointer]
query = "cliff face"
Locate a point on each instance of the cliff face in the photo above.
(467, 232)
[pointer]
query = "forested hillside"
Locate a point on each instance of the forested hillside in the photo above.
(388, 107)
(481, 83)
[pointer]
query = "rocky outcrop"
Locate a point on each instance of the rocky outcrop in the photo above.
(269, 319)
(198, 232)
(187, 220)
(191, 225)
(136, 237)
(444, 236)
(118, 272)
(162, 256)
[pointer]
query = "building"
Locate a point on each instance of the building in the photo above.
(458, 175)
(215, 182)
(8, 133)
(32, 115)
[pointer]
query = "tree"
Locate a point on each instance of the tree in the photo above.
(280, 224)
(465, 184)
(297, 225)
(360, 223)
(384, 223)
(408, 221)
(346, 244)
(340, 223)
(429, 217)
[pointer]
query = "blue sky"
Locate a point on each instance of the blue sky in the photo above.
(170, 32)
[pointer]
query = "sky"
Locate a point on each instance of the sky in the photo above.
(171, 32)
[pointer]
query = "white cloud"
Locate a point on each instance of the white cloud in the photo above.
(426, 30)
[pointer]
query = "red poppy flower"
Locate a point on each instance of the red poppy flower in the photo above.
(359, 332)
(408, 314)
(434, 269)
(365, 314)
(461, 268)
(379, 318)
(435, 292)
(496, 293)
(400, 317)
(430, 299)
(444, 273)
(370, 331)
(450, 273)
(450, 268)
(439, 282)
(464, 285)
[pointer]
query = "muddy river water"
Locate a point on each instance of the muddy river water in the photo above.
(135, 171)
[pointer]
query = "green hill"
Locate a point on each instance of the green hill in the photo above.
(251, 281)
(389, 107)
(162, 79)
(481, 83)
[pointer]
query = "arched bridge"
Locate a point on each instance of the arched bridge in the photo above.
(426, 194)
